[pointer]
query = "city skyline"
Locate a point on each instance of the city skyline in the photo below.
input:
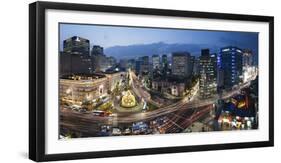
(156, 92)
(195, 40)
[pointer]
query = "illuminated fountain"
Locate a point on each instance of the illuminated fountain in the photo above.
(128, 100)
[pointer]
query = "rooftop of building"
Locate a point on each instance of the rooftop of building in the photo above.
(230, 48)
(82, 76)
(76, 38)
(183, 53)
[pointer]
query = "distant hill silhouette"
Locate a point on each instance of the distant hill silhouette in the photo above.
(137, 50)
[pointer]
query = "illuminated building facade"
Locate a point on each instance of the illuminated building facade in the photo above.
(144, 64)
(180, 64)
(83, 88)
(79, 88)
(173, 88)
(207, 79)
(75, 57)
(230, 61)
(248, 57)
(156, 62)
(76, 45)
(164, 61)
(99, 60)
(249, 70)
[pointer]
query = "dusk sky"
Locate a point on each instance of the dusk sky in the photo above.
(108, 36)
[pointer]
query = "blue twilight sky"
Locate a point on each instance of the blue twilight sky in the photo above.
(108, 36)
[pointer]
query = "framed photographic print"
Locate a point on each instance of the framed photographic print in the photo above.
(109, 81)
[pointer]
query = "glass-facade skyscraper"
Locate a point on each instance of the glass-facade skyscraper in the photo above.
(156, 62)
(75, 57)
(230, 62)
(207, 79)
(77, 45)
(180, 64)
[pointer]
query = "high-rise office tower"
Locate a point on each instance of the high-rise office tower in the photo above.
(144, 67)
(75, 57)
(230, 62)
(180, 62)
(165, 64)
(207, 80)
(156, 62)
(76, 45)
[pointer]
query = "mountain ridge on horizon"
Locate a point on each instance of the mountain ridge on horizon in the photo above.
(138, 50)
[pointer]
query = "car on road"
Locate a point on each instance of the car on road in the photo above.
(105, 128)
(98, 113)
(127, 131)
(75, 107)
(116, 132)
(104, 131)
(83, 110)
(113, 115)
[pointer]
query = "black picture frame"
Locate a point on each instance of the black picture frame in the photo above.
(37, 79)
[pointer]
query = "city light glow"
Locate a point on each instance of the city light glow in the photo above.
(109, 88)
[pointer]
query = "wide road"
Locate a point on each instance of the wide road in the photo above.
(180, 105)
(87, 126)
(134, 117)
